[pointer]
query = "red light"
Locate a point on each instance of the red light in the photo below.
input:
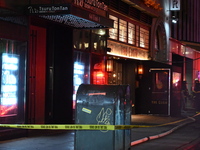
(99, 77)
(99, 74)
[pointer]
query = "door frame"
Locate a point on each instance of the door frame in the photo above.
(36, 75)
(169, 85)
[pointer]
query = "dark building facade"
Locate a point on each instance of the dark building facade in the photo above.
(54, 46)
(184, 40)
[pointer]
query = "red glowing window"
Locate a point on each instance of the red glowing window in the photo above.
(99, 77)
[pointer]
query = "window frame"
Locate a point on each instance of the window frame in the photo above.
(144, 38)
(136, 34)
(123, 30)
(113, 33)
(131, 33)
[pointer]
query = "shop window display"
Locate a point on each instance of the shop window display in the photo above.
(12, 69)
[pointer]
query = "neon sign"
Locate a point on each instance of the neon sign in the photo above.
(90, 4)
(9, 84)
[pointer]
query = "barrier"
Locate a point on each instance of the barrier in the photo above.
(85, 126)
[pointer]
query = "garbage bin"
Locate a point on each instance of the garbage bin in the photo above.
(103, 105)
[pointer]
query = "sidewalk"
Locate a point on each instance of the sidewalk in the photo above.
(185, 134)
(65, 140)
(166, 126)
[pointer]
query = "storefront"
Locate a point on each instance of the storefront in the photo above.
(128, 46)
(89, 57)
(13, 62)
(185, 60)
(72, 39)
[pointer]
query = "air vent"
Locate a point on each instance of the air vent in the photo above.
(124, 8)
(114, 4)
(145, 18)
(135, 13)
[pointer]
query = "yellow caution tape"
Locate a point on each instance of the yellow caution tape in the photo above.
(84, 126)
(73, 127)
(59, 127)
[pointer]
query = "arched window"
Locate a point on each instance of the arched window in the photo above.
(160, 44)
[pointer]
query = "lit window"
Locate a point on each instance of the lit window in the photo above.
(114, 31)
(144, 38)
(122, 30)
(131, 33)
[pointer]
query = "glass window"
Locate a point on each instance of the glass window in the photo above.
(81, 39)
(90, 40)
(12, 75)
(113, 33)
(122, 30)
(81, 71)
(98, 41)
(131, 33)
(144, 38)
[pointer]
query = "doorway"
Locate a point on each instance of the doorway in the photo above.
(160, 91)
(36, 75)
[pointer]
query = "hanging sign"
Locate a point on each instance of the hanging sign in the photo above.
(175, 5)
(48, 9)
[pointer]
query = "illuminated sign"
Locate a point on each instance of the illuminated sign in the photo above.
(127, 51)
(78, 75)
(91, 4)
(175, 5)
(48, 9)
(78, 78)
(9, 84)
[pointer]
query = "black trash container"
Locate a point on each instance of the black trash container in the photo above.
(103, 105)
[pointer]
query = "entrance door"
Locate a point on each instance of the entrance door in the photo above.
(160, 103)
(37, 73)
